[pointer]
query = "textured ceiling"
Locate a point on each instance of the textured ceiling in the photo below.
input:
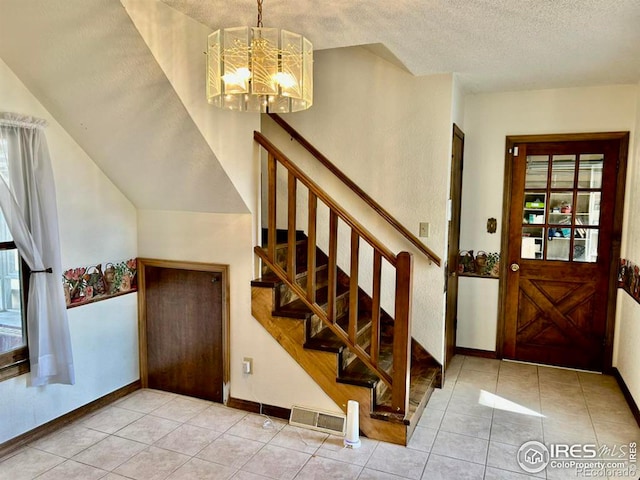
(492, 44)
(87, 64)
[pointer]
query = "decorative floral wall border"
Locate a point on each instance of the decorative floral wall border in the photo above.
(482, 264)
(85, 285)
(629, 278)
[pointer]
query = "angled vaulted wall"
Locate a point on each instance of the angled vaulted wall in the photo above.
(87, 64)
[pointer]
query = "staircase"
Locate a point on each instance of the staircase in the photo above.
(338, 333)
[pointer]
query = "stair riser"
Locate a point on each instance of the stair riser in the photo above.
(363, 339)
(342, 307)
(282, 253)
(285, 295)
(346, 357)
(379, 392)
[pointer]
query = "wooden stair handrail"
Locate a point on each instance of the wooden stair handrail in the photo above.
(356, 189)
(398, 380)
(326, 199)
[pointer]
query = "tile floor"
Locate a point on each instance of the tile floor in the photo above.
(156, 435)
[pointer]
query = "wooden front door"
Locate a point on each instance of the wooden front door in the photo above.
(563, 241)
(453, 246)
(184, 331)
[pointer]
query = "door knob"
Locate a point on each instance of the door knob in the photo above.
(515, 267)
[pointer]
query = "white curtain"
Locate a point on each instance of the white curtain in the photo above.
(28, 202)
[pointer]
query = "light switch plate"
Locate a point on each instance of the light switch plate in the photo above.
(424, 229)
(247, 365)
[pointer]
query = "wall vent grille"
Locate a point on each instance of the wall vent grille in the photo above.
(327, 422)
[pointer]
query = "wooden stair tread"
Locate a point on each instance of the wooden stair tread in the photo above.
(357, 373)
(268, 280)
(299, 309)
(301, 266)
(271, 279)
(325, 341)
(282, 236)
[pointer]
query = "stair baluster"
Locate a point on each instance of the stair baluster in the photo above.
(311, 248)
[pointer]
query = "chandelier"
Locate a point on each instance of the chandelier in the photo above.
(257, 69)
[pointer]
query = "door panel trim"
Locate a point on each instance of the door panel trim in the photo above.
(616, 233)
(556, 313)
(453, 245)
(223, 270)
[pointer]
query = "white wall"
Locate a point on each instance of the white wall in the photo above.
(390, 132)
(226, 239)
(477, 313)
(627, 339)
(489, 118)
(97, 224)
(458, 102)
(177, 43)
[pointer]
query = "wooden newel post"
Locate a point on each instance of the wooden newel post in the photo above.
(402, 334)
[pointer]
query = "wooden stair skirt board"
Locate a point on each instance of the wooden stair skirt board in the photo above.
(341, 374)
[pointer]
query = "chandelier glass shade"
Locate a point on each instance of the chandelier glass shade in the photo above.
(257, 69)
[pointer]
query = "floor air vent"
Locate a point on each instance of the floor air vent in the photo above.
(327, 422)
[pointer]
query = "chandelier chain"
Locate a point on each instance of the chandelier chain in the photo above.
(259, 25)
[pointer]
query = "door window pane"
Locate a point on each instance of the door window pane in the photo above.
(532, 242)
(559, 244)
(563, 171)
(590, 171)
(534, 208)
(579, 251)
(588, 210)
(560, 205)
(586, 247)
(537, 168)
(592, 245)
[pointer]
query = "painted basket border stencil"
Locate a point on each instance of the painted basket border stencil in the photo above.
(629, 278)
(482, 264)
(83, 285)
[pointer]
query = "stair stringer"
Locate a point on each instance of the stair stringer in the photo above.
(322, 368)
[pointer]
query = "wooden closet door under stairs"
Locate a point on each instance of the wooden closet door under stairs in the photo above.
(184, 331)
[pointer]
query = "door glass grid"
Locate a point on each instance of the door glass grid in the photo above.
(561, 211)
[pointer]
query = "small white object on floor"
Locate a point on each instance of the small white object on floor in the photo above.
(352, 435)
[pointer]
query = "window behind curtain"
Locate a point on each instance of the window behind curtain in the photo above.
(13, 335)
